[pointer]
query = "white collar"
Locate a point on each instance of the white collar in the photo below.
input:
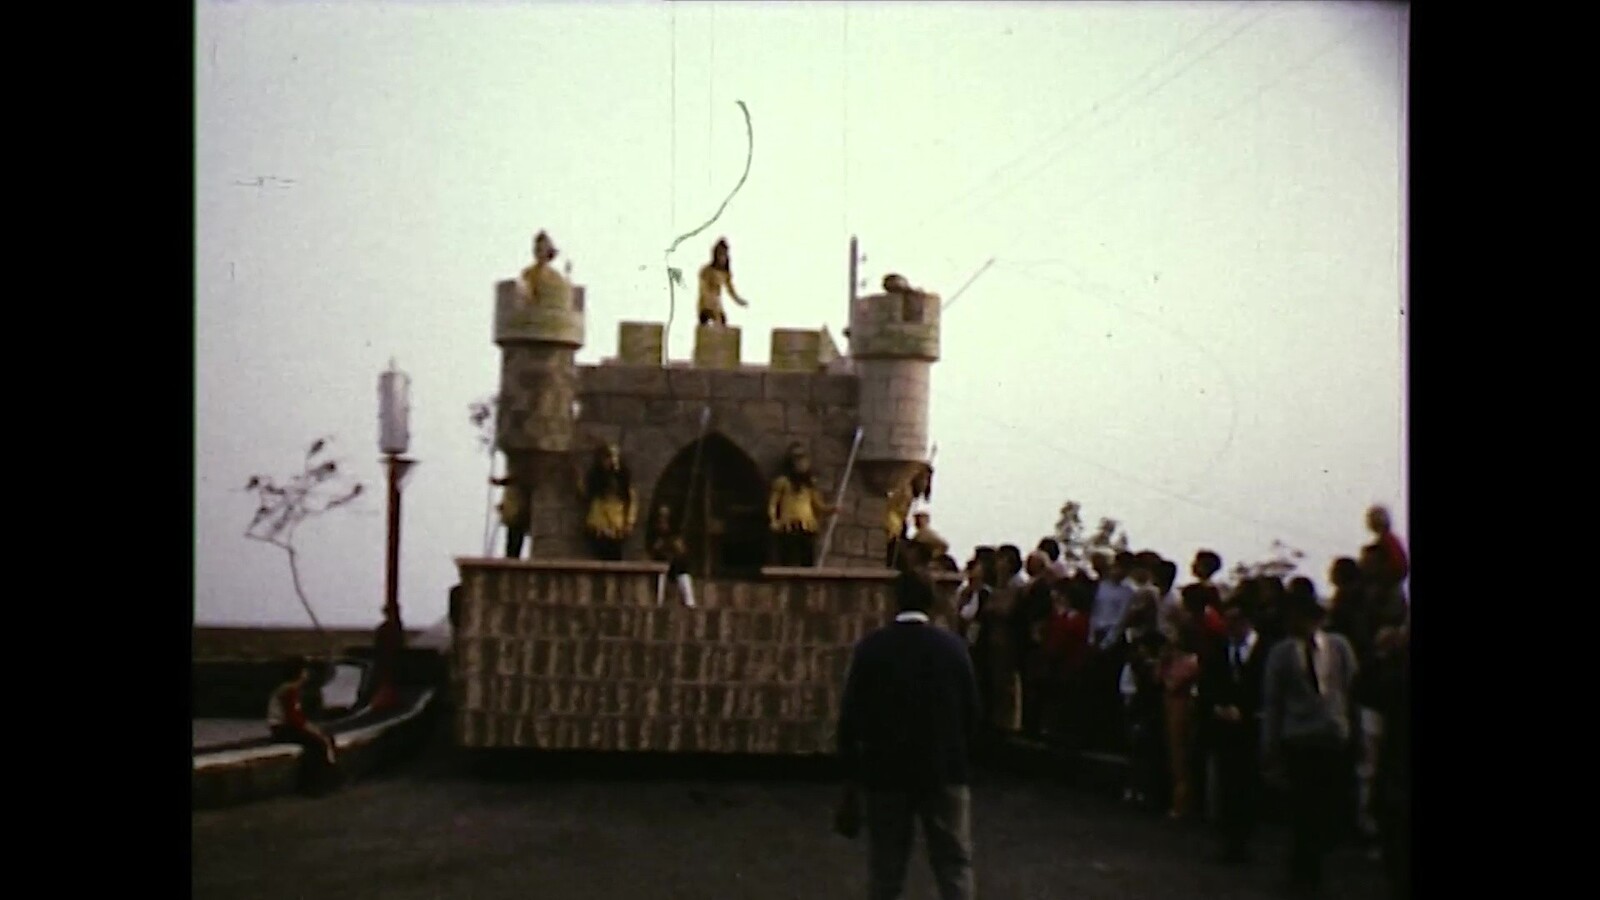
(1248, 642)
(912, 615)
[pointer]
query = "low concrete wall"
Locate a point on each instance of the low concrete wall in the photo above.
(231, 777)
(576, 655)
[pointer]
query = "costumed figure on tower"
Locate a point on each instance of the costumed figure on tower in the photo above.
(715, 277)
(541, 284)
(612, 502)
(795, 510)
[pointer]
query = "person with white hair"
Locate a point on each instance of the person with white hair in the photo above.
(936, 544)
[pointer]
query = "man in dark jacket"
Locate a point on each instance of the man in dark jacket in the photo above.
(1230, 707)
(907, 721)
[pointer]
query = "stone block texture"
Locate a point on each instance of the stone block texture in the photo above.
(894, 395)
(653, 414)
(716, 348)
(537, 386)
(579, 657)
(794, 350)
(641, 343)
(904, 327)
(519, 320)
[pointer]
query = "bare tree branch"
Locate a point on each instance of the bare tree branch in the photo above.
(283, 507)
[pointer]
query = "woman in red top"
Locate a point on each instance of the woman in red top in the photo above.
(1064, 652)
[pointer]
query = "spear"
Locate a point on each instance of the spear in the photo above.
(838, 500)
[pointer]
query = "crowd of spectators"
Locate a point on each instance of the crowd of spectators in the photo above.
(1125, 657)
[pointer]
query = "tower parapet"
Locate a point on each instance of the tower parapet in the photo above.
(539, 325)
(894, 340)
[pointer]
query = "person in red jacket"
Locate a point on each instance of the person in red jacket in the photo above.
(1394, 551)
(1064, 652)
(286, 719)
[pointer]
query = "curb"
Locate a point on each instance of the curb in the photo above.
(230, 777)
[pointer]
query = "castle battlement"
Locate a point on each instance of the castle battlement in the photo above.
(708, 434)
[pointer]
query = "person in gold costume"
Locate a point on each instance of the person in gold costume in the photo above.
(898, 512)
(613, 504)
(542, 285)
(715, 277)
(795, 509)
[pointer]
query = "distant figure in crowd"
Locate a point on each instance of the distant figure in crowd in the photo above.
(613, 503)
(1310, 731)
(516, 510)
(796, 509)
(1112, 595)
(1350, 616)
(897, 513)
(908, 719)
(1207, 603)
(1230, 703)
(1399, 565)
(287, 721)
(1179, 672)
(1143, 703)
(1003, 692)
(1029, 620)
(1389, 691)
(937, 546)
(668, 546)
(1064, 652)
(716, 276)
(1051, 548)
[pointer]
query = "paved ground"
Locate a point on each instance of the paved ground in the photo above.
(434, 831)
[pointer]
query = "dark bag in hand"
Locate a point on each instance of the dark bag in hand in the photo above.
(847, 818)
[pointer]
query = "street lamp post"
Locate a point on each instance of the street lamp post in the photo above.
(394, 438)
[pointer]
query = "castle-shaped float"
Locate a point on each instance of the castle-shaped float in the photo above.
(564, 651)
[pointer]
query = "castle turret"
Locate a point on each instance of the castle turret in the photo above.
(894, 341)
(538, 324)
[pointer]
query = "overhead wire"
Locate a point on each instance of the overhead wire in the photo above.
(1227, 444)
(1050, 161)
(1199, 346)
(1188, 138)
(933, 216)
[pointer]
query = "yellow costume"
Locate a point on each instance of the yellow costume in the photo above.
(513, 508)
(791, 508)
(612, 517)
(897, 511)
(544, 286)
(713, 281)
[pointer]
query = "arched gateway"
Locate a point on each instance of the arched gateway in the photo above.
(717, 497)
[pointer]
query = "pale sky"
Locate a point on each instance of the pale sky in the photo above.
(1194, 322)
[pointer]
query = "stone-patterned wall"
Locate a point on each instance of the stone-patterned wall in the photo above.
(654, 412)
(537, 386)
(894, 408)
(578, 656)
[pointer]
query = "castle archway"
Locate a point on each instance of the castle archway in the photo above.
(718, 501)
